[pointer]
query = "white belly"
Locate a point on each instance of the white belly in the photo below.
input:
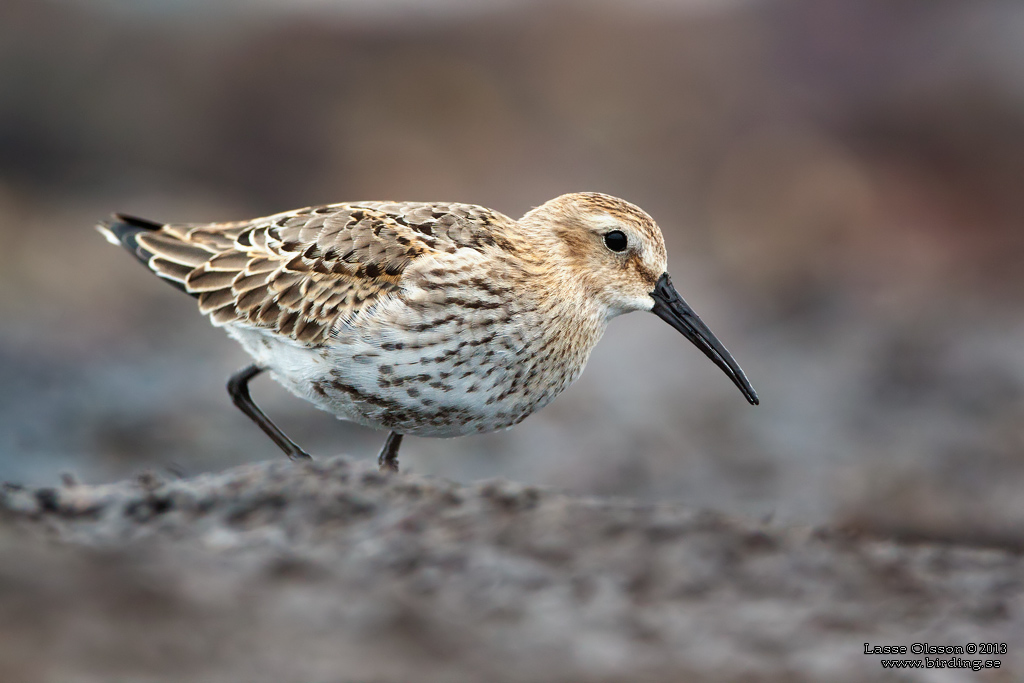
(436, 385)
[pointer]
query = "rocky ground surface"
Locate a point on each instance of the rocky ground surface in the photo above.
(331, 572)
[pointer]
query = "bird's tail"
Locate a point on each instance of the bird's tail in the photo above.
(123, 230)
(127, 231)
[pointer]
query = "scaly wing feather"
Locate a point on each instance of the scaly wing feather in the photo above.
(299, 273)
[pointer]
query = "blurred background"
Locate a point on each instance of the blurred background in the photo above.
(839, 183)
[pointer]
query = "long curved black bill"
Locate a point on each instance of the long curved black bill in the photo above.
(671, 308)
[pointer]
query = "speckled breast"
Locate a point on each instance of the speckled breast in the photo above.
(443, 382)
(462, 349)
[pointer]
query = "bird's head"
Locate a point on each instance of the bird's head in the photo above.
(615, 252)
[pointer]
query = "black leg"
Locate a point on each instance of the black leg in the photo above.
(387, 461)
(238, 387)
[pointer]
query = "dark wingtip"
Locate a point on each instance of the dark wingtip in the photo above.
(122, 229)
(136, 222)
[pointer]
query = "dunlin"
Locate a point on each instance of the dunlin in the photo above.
(431, 319)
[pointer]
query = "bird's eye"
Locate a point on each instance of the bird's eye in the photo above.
(616, 240)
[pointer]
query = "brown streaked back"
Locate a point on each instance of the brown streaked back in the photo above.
(298, 273)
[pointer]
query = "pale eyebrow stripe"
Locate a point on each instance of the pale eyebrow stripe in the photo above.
(607, 220)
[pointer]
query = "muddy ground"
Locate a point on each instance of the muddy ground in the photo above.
(333, 572)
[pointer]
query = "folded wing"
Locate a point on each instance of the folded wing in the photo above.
(299, 273)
